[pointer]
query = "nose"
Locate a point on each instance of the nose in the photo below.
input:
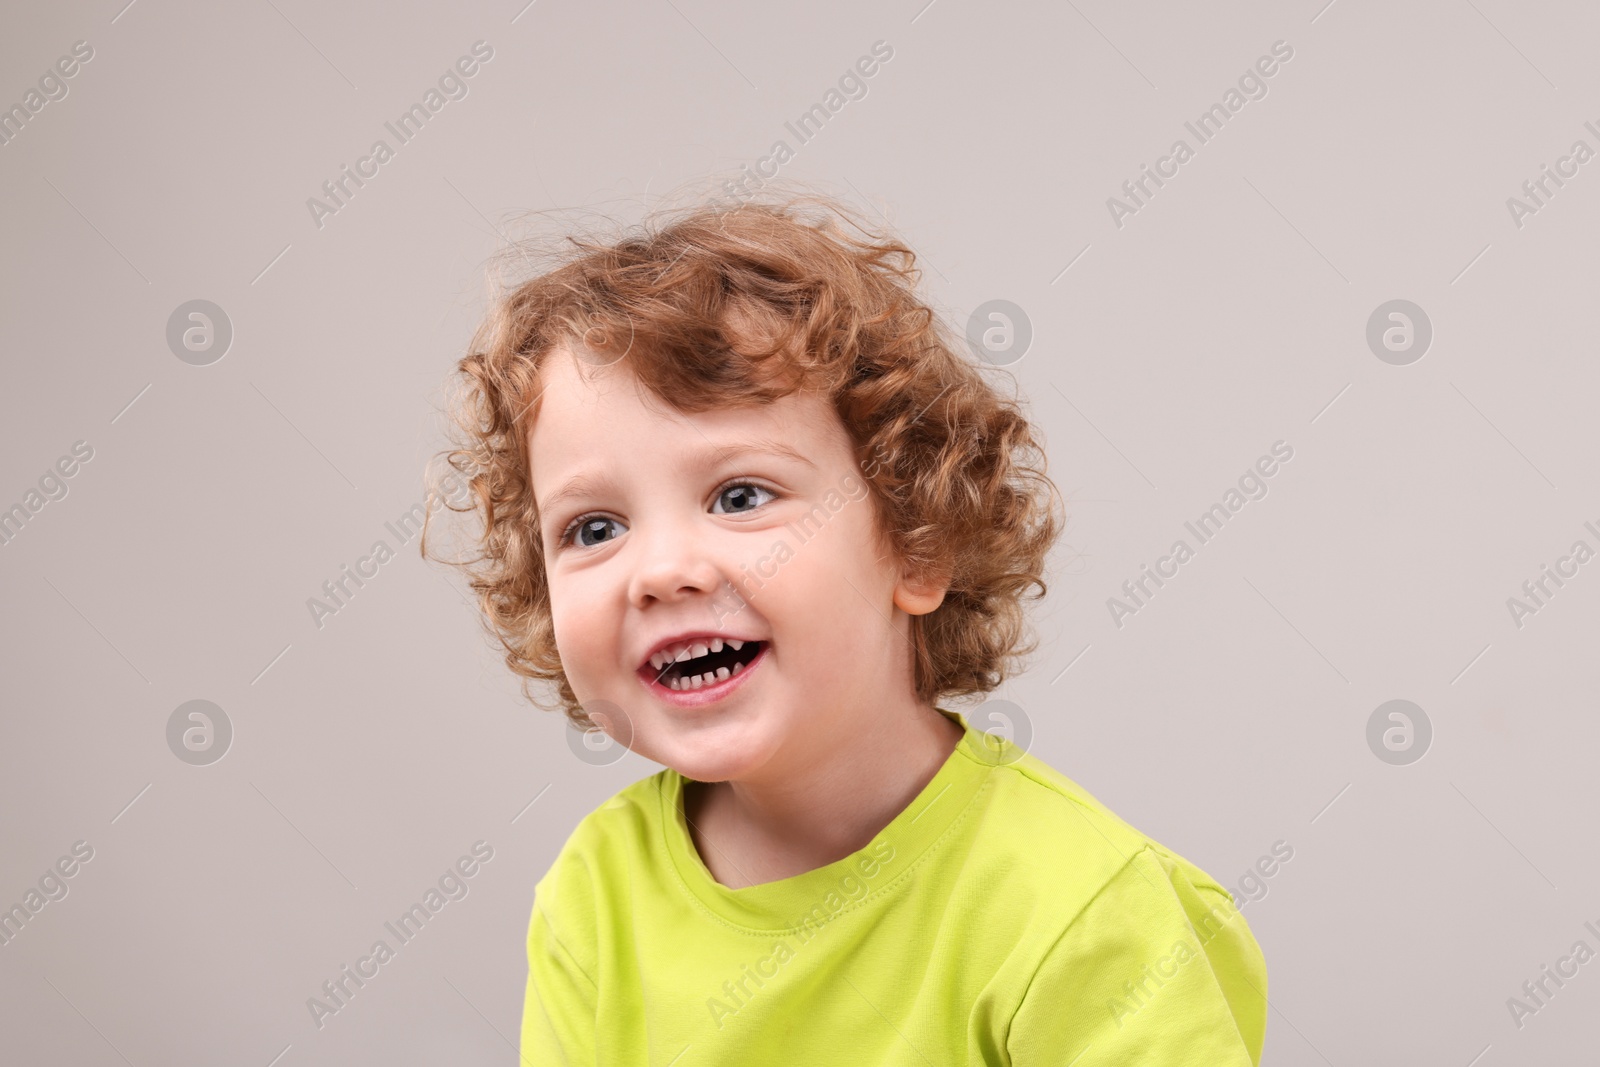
(675, 561)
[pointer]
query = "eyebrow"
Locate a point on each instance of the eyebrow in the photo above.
(585, 484)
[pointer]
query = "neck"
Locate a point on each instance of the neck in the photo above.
(828, 807)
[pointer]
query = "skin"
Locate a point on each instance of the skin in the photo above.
(826, 742)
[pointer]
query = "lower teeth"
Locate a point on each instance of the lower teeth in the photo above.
(708, 678)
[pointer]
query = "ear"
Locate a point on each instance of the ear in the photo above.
(918, 596)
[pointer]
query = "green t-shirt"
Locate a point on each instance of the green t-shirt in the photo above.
(1004, 917)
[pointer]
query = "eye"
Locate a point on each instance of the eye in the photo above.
(589, 531)
(585, 524)
(741, 493)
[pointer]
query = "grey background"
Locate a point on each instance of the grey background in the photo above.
(1229, 313)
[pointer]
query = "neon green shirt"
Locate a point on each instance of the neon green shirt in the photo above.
(1004, 917)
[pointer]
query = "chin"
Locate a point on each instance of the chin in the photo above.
(712, 757)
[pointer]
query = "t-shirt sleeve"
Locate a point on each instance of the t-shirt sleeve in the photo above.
(558, 1013)
(1156, 970)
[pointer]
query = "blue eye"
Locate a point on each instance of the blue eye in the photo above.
(585, 524)
(740, 494)
(741, 490)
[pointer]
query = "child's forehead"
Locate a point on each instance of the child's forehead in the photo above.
(584, 403)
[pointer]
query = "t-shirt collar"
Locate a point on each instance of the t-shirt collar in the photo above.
(850, 882)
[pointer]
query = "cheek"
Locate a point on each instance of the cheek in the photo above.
(848, 547)
(836, 581)
(581, 631)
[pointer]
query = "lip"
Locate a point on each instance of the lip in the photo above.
(706, 694)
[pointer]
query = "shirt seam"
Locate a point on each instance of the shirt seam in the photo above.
(1065, 930)
(1094, 809)
(539, 911)
(880, 891)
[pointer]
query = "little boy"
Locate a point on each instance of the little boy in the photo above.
(752, 515)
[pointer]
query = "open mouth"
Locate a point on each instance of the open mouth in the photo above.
(707, 669)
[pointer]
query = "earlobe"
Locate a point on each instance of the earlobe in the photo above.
(919, 597)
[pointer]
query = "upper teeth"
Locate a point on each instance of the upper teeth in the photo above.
(688, 650)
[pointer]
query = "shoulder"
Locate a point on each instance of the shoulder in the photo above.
(565, 929)
(1109, 917)
(606, 841)
(1074, 846)
(626, 821)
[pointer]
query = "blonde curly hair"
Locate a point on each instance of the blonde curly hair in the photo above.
(955, 470)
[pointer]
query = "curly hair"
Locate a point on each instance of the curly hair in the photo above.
(955, 471)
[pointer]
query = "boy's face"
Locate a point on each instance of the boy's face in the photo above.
(680, 535)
